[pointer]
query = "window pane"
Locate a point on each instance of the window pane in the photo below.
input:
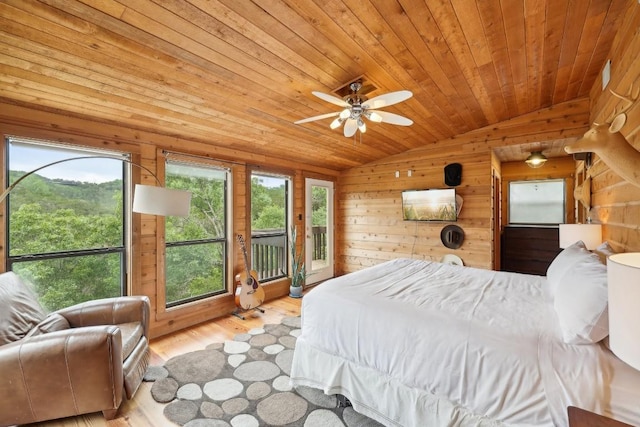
(66, 221)
(70, 206)
(196, 245)
(319, 202)
(269, 226)
(536, 202)
(206, 218)
(62, 282)
(193, 271)
(268, 203)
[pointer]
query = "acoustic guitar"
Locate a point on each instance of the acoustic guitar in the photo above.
(249, 294)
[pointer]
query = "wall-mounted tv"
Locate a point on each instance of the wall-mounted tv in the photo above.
(429, 205)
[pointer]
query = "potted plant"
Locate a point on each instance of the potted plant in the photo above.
(298, 271)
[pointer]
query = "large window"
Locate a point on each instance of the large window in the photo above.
(196, 246)
(269, 224)
(66, 228)
(537, 202)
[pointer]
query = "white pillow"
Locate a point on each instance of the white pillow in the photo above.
(603, 251)
(563, 262)
(581, 302)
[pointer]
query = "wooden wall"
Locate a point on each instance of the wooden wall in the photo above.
(616, 203)
(369, 226)
(147, 274)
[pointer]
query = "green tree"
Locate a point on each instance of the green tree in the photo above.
(58, 218)
(268, 206)
(319, 206)
(271, 217)
(65, 281)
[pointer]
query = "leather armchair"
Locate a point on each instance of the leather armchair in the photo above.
(82, 359)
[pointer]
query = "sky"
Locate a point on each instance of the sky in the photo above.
(24, 158)
(270, 182)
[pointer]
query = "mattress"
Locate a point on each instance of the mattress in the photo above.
(415, 343)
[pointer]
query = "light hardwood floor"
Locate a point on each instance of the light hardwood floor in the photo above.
(143, 411)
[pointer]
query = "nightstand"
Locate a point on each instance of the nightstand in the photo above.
(581, 418)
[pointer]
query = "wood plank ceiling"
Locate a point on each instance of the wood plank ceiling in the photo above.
(238, 73)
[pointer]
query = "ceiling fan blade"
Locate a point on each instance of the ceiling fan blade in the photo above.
(350, 127)
(332, 99)
(387, 99)
(394, 119)
(314, 118)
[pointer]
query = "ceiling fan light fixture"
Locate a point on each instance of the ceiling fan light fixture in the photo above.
(373, 116)
(362, 126)
(336, 123)
(344, 114)
(536, 159)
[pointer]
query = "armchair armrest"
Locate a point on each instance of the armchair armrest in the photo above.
(73, 371)
(109, 311)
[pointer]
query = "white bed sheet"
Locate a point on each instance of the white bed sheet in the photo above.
(415, 343)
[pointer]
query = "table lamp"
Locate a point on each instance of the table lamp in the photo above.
(623, 273)
(590, 234)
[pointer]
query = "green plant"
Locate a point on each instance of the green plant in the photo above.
(298, 270)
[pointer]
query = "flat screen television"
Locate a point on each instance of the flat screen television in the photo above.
(429, 205)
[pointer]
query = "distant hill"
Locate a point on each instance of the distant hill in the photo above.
(54, 194)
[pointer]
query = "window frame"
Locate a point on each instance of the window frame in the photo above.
(196, 161)
(123, 249)
(288, 179)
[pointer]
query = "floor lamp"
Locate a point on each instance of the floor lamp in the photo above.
(147, 199)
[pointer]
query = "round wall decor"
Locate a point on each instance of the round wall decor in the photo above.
(452, 236)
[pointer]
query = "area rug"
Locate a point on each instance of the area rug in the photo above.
(244, 382)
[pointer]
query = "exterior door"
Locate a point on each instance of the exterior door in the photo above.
(319, 230)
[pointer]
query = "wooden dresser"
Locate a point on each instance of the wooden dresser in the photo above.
(528, 249)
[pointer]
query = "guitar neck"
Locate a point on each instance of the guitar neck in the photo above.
(246, 260)
(244, 253)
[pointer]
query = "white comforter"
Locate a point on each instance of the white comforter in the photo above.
(417, 343)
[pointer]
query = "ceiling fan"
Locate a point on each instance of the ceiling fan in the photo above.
(357, 107)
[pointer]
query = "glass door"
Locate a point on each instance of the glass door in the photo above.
(319, 230)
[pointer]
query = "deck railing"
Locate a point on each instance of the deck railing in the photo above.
(269, 253)
(319, 243)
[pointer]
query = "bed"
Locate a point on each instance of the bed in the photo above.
(419, 343)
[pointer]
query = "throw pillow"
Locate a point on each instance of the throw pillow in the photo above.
(53, 322)
(20, 310)
(581, 302)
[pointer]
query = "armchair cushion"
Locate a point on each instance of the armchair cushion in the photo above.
(20, 311)
(132, 332)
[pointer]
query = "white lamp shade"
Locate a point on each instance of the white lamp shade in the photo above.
(161, 201)
(590, 234)
(623, 274)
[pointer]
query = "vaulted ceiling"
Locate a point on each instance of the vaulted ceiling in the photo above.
(238, 73)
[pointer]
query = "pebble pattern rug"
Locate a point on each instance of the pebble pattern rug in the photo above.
(245, 383)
